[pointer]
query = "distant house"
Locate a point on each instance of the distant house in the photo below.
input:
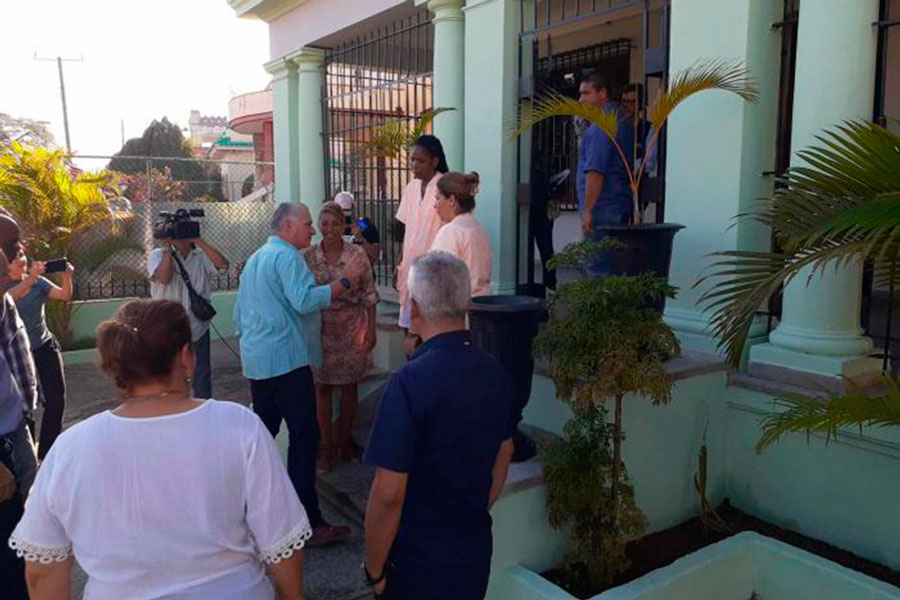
(212, 138)
(250, 116)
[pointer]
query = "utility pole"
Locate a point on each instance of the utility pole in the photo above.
(62, 89)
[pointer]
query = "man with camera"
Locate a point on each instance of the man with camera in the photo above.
(180, 271)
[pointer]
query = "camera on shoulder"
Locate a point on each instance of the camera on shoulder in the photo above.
(178, 225)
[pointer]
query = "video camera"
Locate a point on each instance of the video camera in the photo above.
(178, 225)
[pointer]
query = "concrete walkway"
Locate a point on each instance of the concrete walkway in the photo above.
(331, 573)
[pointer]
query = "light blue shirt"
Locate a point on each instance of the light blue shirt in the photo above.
(277, 312)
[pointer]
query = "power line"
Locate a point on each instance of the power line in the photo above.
(62, 88)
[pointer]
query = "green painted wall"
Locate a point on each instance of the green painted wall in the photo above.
(844, 492)
(491, 80)
(522, 536)
(718, 146)
(662, 443)
(88, 315)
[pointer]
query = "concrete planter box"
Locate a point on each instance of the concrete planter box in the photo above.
(732, 569)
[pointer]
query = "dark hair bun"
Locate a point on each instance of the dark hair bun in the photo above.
(141, 341)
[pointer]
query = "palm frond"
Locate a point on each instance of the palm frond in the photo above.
(424, 122)
(715, 74)
(395, 138)
(827, 416)
(553, 104)
(842, 206)
(743, 281)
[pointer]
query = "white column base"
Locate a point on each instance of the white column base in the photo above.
(813, 371)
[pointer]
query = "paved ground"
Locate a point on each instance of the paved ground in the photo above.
(332, 573)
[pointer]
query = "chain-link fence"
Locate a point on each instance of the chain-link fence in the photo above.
(236, 197)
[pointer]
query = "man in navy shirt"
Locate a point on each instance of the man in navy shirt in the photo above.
(441, 444)
(604, 194)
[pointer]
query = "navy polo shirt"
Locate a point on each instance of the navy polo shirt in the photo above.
(442, 420)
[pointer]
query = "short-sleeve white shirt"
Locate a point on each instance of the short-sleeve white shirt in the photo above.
(186, 506)
(199, 268)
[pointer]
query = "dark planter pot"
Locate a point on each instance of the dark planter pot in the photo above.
(505, 326)
(648, 249)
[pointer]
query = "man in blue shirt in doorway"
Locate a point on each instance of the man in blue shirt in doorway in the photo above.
(442, 446)
(604, 194)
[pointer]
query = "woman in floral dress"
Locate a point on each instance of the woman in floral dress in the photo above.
(348, 335)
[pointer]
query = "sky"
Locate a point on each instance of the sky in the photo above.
(143, 60)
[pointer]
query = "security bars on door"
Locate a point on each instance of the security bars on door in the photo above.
(380, 77)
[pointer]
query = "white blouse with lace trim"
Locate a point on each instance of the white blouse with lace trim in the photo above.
(285, 548)
(40, 554)
(204, 491)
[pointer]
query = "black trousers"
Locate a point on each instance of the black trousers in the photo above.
(49, 365)
(542, 229)
(292, 397)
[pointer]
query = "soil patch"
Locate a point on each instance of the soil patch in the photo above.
(664, 547)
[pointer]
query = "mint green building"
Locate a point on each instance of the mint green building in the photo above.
(341, 67)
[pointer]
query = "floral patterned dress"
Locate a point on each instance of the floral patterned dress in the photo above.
(345, 359)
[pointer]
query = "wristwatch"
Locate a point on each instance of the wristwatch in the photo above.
(345, 283)
(370, 581)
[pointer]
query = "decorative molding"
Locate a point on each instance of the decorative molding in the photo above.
(447, 10)
(307, 59)
(281, 68)
(265, 10)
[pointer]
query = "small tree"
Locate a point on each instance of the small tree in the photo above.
(163, 139)
(603, 342)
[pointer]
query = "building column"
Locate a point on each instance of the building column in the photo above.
(491, 68)
(311, 149)
(449, 71)
(820, 329)
(718, 149)
(284, 116)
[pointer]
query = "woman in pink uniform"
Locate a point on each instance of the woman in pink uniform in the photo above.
(462, 235)
(417, 213)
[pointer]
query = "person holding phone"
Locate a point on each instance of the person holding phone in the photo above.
(360, 231)
(30, 290)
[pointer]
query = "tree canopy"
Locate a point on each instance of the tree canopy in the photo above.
(161, 140)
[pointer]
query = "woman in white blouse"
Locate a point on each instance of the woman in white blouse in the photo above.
(165, 496)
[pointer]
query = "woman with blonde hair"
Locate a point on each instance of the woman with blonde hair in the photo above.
(348, 334)
(462, 235)
(165, 495)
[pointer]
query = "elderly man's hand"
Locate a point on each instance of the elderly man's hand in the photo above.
(7, 484)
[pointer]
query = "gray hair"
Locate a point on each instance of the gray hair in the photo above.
(440, 284)
(286, 210)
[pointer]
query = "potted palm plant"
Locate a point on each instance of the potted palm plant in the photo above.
(603, 342)
(843, 206)
(647, 246)
(393, 140)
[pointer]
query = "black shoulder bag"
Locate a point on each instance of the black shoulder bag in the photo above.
(200, 306)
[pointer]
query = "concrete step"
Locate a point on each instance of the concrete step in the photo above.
(346, 488)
